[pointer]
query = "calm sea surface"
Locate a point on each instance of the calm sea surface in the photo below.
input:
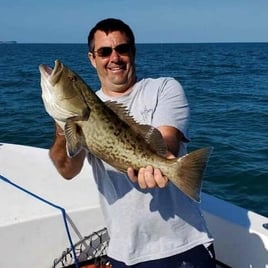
(226, 85)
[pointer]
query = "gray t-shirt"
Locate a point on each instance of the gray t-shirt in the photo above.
(153, 223)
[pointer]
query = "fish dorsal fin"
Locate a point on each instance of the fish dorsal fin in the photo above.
(121, 111)
(151, 135)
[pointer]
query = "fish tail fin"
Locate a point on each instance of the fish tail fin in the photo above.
(190, 170)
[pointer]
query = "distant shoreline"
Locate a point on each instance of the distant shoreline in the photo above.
(8, 42)
(141, 43)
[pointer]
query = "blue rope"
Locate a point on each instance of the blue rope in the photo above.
(51, 204)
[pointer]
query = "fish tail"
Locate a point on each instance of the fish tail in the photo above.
(190, 169)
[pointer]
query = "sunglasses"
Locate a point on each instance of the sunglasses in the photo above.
(123, 49)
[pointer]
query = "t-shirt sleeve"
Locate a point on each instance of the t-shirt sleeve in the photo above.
(172, 107)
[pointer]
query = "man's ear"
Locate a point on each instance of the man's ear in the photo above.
(92, 59)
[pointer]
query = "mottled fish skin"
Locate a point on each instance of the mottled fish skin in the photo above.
(107, 131)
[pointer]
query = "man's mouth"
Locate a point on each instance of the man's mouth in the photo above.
(117, 68)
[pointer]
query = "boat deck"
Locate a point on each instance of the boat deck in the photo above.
(36, 202)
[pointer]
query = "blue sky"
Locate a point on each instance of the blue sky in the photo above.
(153, 21)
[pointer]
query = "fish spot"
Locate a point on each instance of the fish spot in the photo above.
(117, 132)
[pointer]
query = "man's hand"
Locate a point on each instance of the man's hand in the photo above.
(148, 177)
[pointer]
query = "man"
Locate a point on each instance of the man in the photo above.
(151, 223)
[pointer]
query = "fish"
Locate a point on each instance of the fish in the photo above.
(110, 133)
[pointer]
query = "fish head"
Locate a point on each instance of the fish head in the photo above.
(60, 92)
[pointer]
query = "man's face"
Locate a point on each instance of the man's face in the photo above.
(116, 70)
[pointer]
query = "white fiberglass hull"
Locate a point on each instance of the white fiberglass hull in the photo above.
(32, 229)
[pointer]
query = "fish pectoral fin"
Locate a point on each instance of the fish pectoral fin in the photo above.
(191, 168)
(73, 143)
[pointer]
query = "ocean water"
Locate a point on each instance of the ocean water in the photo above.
(226, 85)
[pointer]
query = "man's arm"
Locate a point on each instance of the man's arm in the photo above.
(148, 177)
(172, 136)
(66, 166)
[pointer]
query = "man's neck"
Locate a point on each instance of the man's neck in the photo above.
(118, 92)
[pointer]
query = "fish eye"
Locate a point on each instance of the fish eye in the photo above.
(73, 78)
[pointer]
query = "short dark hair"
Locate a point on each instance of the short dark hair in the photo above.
(111, 25)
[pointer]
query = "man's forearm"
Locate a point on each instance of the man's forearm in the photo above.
(66, 166)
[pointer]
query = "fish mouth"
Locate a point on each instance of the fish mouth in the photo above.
(53, 75)
(45, 70)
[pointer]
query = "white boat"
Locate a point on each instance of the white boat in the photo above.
(39, 208)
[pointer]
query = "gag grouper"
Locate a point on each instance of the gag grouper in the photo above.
(107, 131)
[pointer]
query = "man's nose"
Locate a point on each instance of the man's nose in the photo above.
(115, 55)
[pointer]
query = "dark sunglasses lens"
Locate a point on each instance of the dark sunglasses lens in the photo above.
(123, 49)
(104, 51)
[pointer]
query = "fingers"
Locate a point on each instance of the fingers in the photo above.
(161, 180)
(131, 174)
(148, 177)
